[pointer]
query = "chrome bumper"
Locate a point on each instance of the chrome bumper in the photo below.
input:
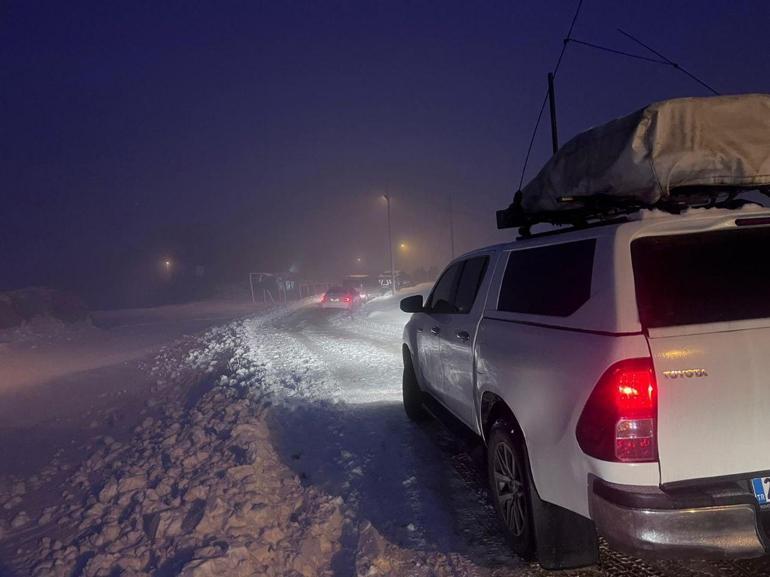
(700, 532)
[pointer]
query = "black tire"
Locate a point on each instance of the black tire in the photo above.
(412, 394)
(554, 536)
(509, 488)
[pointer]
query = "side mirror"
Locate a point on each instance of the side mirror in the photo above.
(412, 304)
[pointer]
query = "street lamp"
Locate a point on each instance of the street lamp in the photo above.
(166, 268)
(386, 196)
(451, 228)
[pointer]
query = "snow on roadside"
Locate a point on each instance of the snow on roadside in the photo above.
(198, 491)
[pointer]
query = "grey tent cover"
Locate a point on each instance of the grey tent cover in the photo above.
(722, 140)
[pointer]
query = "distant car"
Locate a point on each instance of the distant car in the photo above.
(341, 298)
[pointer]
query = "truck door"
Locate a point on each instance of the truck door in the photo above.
(430, 325)
(456, 341)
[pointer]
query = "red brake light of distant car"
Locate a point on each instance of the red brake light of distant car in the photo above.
(346, 299)
(324, 299)
(618, 422)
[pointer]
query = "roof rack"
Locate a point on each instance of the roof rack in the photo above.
(526, 233)
(586, 211)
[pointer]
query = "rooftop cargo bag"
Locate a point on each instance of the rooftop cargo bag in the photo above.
(646, 158)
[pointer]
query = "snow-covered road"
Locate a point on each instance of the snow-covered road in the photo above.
(338, 418)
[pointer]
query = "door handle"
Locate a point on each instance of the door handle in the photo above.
(435, 330)
(463, 336)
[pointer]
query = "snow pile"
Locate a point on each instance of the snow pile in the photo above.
(20, 307)
(198, 491)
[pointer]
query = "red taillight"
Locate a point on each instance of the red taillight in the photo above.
(346, 299)
(618, 420)
(324, 299)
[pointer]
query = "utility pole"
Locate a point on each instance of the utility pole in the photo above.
(390, 249)
(552, 106)
(451, 228)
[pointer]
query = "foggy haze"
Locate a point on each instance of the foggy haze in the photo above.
(241, 137)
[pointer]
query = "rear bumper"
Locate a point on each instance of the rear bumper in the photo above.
(658, 526)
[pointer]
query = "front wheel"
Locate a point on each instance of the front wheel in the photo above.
(411, 392)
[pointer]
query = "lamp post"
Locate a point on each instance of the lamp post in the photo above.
(451, 229)
(386, 196)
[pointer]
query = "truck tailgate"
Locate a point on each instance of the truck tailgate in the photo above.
(713, 402)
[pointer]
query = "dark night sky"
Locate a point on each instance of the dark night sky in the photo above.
(256, 135)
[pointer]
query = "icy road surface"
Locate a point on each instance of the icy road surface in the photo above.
(275, 445)
(341, 422)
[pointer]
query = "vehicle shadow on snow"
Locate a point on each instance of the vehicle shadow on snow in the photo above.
(421, 486)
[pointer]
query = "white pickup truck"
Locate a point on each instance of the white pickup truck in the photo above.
(620, 378)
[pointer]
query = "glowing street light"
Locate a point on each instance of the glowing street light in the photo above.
(390, 248)
(403, 246)
(166, 266)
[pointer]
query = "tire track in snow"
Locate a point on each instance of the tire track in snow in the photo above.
(310, 370)
(348, 363)
(291, 369)
(366, 372)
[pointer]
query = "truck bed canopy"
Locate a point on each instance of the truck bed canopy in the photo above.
(649, 157)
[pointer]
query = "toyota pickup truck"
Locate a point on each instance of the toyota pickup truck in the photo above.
(619, 376)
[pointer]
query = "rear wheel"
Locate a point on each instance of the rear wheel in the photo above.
(510, 490)
(412, 394)
(537, 530)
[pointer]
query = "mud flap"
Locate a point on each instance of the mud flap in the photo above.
(563, 539)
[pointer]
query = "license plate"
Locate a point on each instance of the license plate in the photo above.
(335, 300)
(761, 486)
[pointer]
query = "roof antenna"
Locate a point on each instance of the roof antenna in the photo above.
(668, 61)
(552, 103)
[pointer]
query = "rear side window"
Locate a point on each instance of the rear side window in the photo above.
(470, 281)
(551, 280)
(705, 277)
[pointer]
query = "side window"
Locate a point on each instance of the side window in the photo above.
(442, 297)
(550, 280)
(470, 281)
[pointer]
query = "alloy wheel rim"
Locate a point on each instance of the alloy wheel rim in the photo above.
(509, 489)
